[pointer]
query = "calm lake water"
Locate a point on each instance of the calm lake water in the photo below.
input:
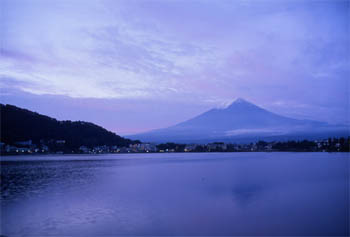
(176, 194)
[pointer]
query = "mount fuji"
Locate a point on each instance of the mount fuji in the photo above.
(242, 121)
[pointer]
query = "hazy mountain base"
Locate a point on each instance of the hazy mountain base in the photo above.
(242, 122)
(163, 136)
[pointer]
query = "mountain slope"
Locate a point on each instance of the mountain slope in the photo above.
(241, 120)
(20, 125)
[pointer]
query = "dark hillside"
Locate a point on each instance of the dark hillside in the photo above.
(21, 125)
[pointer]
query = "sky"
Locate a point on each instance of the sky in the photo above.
(137, 65)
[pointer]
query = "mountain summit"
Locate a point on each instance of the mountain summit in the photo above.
(240, 121)
(241, 103)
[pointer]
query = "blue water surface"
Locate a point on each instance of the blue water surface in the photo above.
(176, 194)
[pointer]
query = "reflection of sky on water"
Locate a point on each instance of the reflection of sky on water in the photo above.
(179, 194)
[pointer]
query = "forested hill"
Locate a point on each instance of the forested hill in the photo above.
(19, 124)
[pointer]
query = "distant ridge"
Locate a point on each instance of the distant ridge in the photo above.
(19, 124)
(241, 121)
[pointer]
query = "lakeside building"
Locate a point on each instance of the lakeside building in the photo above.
(190, 147)
(24, 143)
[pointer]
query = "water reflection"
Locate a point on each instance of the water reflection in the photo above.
(246, 194)
(28, 179)
(177, 194)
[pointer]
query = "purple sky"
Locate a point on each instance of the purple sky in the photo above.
(136, 65)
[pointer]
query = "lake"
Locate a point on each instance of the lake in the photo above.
(176, 194)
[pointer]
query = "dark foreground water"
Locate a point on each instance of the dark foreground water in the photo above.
(176, 194)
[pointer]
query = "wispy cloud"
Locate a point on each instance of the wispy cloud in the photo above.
(190, 51)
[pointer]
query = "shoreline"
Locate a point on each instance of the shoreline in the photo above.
(142, 153)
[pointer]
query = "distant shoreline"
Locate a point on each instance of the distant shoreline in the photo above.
(142, 153)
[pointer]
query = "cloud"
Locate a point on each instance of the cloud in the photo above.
(197, 52)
